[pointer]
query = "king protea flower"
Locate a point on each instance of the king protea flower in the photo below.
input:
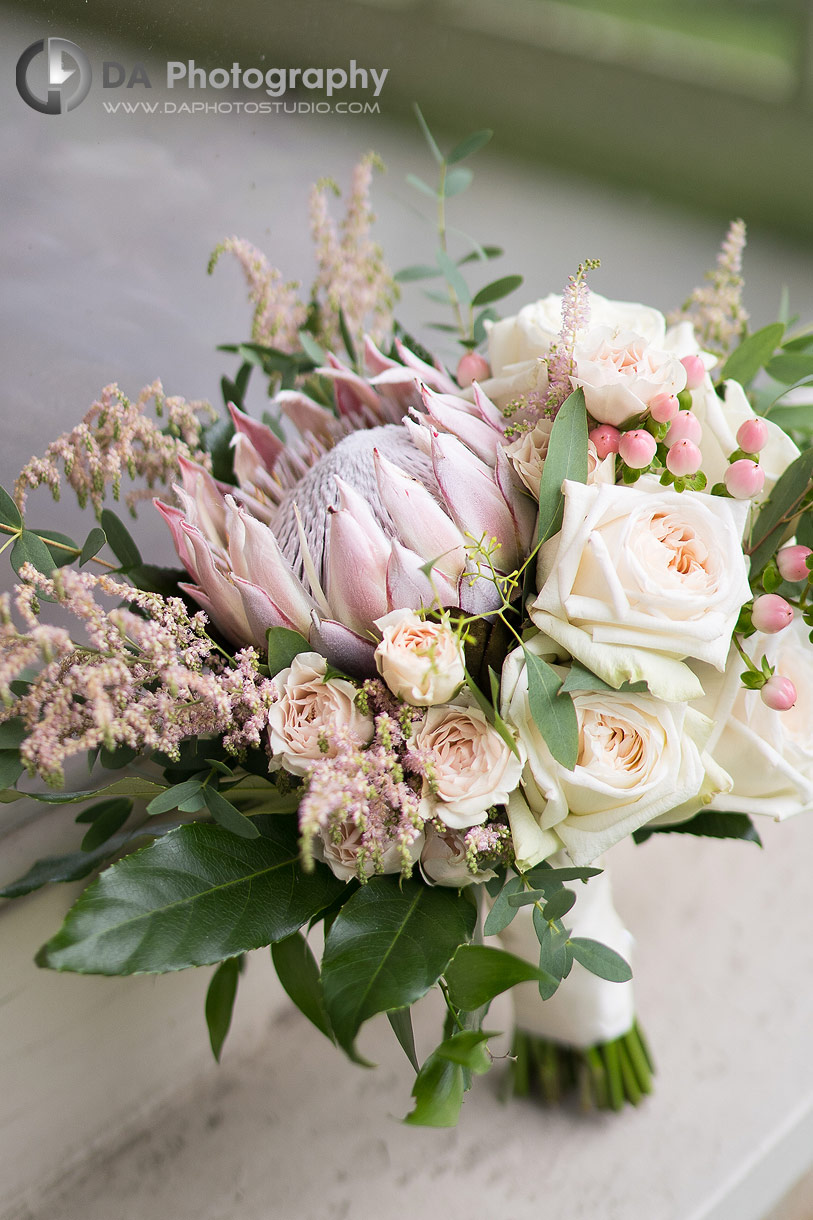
(386, 504)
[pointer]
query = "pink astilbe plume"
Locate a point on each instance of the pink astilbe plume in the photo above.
(715, 308)
(279, 314)
(369, 795)
(575, 318)
(117, 437)
(146, 678)
(352, 275)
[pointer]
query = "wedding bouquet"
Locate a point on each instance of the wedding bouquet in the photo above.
(439, 641)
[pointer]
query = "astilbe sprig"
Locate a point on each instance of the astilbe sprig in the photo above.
(118, 437)
(279, 314)
(715, 308)
(371, 792)
(146, 675)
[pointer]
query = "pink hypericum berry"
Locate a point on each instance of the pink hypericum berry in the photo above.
(663, 408)
(744, 479)
(695, 371)
(791, 561)
(771, 613)
(683, 458)
(605, 439)
(637, 448)
(752, 435)
(779, 693)
(684, 427)
(473, 367)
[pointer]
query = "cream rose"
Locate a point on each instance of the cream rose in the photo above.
(443, 860)
(528, 452)
(472, 767)
(640, 576)
(338, 848)
(422, 662)
(620, 373)
(769, 754)
(639, 757)
(721, 418)
(310, 707)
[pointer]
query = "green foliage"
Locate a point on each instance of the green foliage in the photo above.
(120, 540)
(502, 912)
(283, 645)
(785, 501)
(220, 998)
(477, 973)
(400, 1020)
(105, 819)
(29, 548)
(299, 974)
(177, 795)
(707, 824)
(600, 959)
(94, 542)
(9, 512)
(192, 898)
(133, 786)
(388, 945)
(566, 459)
(752, 354)
(228, 816)
(553, 713)
(440, 1084)
(497, 290)
(61, 548)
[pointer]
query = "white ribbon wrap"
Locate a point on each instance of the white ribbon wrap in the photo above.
(586, 1009)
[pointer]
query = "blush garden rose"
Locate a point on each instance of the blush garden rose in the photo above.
(311, 705)
(421, 661)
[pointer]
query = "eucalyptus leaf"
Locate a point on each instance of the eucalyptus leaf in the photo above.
(120, 539)
(501, 913)
(298, 972)
(790, 367)
(9, 512)
(29, 548)
(457, 181)
(106, 818)
(419, 271)
(420, 185)
(481, 255)
(191, 898)
(94, 542)
(62, 549)
(497, 290)
(172, 797)
(600, 959)
(566, 459)
(283, 645)
(427, 134)
(559, 904)
(468, 146)
(311, 348)
(387, 946)
(453, 278)
(228, 816)
(220, 998)
(554, 953)
(782, 505)
(12, 733)
(11, 768)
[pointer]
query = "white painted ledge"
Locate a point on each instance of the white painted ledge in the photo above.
(286, 1126)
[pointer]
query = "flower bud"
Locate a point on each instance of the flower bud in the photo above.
(779, 693)
(663, 408)
(752, 435)
(771, 613)
(684, 427)
(792, 562)
(744, 479)
(473, 367)
(637, 448)
(683, 458)
(695, 371)
(606, 440)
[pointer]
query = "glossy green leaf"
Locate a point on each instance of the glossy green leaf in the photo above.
(388, 945)
(469, 146)
(752, 354)
(9, 512)
(400, 1020)
(497, 290)
(299, 974)
(283, 645)
(119, 539)
(566, 459)
(194, 897)
(784, 502)
(438, 1093)
(228, 816)
(501, 913)
(467, 1048)
(94, 542)
(220, 998)
(29, 548)
(553, 714)
(600, 959)
(105, 818)
(71, 867)
(133, 786)
(477, 973)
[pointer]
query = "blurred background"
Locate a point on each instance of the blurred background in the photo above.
(630, 130)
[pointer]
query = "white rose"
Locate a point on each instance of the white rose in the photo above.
(721, 419)
(443, 860)
(528, 452)
(639, 757)
(516, 345)
(769, 754)
(621, 373)
(309, 709)
(472, 767)
(640, 576)
(338, 847)
(422, 662)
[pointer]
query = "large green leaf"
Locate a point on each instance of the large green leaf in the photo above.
(389, 944)
(441, 1082)
(753, 354)
(119, 538)
(220, 998)
(784, 502)
(478, 973)
(299, 974)
(194, 897)
(135, 786)
(566, 459)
